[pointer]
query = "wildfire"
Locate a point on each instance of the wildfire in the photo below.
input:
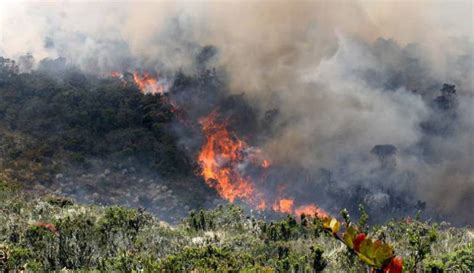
(286, 205)
(116, 74)
(283, 206)
(222, 158)
(311, 210)
(148, 84)
(145, 82)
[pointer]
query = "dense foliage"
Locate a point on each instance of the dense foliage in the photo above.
(52, 233)
(50, 118)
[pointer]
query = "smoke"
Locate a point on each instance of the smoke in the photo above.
(344, 76)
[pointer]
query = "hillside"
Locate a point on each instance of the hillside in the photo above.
(92, 138)
(237, 136)
(92, 166)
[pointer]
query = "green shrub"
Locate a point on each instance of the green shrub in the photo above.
(19, 257)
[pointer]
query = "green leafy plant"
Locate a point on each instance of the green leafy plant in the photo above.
(318, 262)
(420, 238)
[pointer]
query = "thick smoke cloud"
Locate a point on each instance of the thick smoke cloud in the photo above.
(344, 76)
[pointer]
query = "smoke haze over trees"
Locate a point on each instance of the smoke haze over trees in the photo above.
(349, 105)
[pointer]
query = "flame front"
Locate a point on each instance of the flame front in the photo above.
(145, 82)
(220, 158)
(265, 163)
(223, 158)
(116, 74)
(149, 84)
(311, 210)
(283, 205)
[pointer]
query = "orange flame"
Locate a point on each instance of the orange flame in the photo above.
(219, 158)
(283, 206)
(222, 157)
(116, 74)
(148, 84)
(262, 205)
(265, 163)
(311, 210)
(145, 82)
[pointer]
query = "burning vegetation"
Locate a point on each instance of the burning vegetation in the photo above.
(221, 157)
(260, 138)
(221, 151)
(227, 163)
(224, 159)
(188, 126)
(147, 83)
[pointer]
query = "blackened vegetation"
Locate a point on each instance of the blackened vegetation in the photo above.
(386, 155)
(443, 122)
(444, 107)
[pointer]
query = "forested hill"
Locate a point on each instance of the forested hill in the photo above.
(103, 142)
(95, 139)
(73, 116)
